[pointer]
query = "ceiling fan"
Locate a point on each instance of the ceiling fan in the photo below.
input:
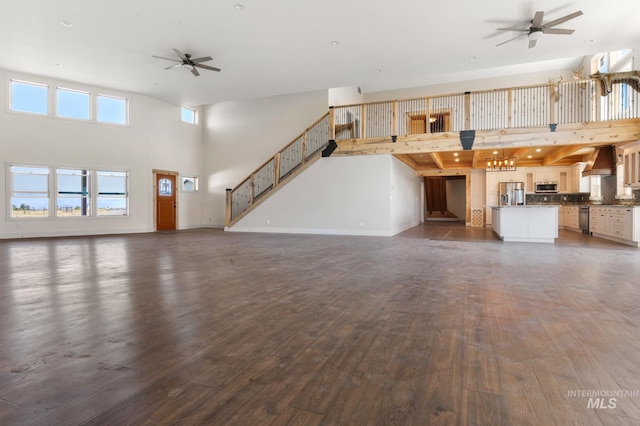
(189, 63)
(537, 28)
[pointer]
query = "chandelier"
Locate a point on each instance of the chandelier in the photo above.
(500, 164)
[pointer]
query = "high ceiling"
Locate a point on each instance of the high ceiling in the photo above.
(276, 47)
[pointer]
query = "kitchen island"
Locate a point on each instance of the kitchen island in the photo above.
(536, 224)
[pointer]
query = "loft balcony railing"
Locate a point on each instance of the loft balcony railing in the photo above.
(542, 105)
(532, 106)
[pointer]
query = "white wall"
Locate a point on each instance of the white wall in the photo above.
(364, 195)
(240, 136)
(348, 95)
(155, 139)
(406, 198)
(471, 85)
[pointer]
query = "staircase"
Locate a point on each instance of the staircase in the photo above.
(282, 167)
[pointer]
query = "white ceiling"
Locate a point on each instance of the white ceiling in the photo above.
(285, 46)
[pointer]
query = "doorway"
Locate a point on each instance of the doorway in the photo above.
(447, 198)
(165, 200)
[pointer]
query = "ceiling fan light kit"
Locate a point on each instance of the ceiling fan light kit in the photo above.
(537, 28)
(186, 62)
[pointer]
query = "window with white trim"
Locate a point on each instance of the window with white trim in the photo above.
(73, 192)
(112, 193)
(112, 110)
(189, 183)
(29, 97)
(188, 115)
(29, 192)
(73, 104)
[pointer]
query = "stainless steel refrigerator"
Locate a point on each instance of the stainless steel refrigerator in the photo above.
(511, 194)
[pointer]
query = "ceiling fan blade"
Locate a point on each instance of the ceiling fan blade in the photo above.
(532, 43)
(168, 59)
(511, 39)
(561, 20)
(203, 59)
(557, 31)
(536, 22)
(207, 67)
(513, 29)
(180, 54)
(174, 66)
(195, 72)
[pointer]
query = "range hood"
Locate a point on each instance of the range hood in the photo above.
(602, 162)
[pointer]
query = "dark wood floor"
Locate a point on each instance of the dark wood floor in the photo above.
(439, 325)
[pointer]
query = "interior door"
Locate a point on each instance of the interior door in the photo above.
(165, 202)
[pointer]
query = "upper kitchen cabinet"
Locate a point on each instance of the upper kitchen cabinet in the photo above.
(545, 174)
(578, 182)
(512, 176)
(632, 165)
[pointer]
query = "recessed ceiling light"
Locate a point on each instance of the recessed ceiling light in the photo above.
(238, 6)
(495, 152)
(529, 156)
(56, 64)
(472, 58)
(455, 154)
(378, 70)
(457, 159)
(538, 149)
(335, 42)
(66, 24)
(589, 41)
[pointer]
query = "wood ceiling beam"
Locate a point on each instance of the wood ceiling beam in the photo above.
(476, 159)
(406, 159)
(437, 159)
(561, 153)
(591, 133)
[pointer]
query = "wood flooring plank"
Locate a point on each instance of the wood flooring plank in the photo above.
(439, 325)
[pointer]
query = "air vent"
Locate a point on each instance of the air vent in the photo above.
(477, 218)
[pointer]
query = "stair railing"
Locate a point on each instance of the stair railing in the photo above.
(279, 169)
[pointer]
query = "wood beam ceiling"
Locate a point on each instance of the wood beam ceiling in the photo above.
(592, 133)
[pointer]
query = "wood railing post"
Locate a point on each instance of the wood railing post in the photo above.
(276, 169)
(228, 209)
(332, 124)
(394, 114)
(509, 108)
(427, 115)
(553, 103)
(467, 110)
(363, 121)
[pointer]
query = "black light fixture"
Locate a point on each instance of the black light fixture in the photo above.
(500, 164)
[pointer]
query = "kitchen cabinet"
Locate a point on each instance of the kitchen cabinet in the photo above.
(569, 218)
(564, 185)
(529, 182)
(617, 223)
(537, 224)
(578, 182)
(545, 174)
(491, 190)
(632, 165)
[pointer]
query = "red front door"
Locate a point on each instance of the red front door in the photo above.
(165, 202)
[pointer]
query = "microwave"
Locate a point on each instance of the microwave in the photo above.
(546, 187)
